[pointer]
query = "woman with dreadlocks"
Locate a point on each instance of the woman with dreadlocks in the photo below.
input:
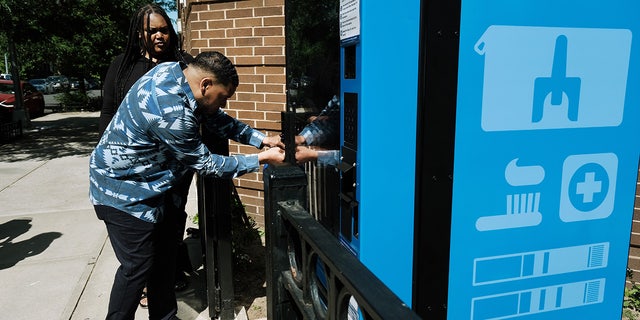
(151, 40)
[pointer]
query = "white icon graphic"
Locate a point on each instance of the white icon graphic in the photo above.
(523, 175)
(558, 89)
(588, 186)
(534, 264)
(523, 209)
(538, 300)
(552, 78)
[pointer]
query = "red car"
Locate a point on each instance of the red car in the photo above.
(33, 100)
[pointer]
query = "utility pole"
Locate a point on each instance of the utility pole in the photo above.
(9, 28)
(19, 113)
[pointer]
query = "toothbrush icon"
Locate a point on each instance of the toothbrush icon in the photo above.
(522, 209)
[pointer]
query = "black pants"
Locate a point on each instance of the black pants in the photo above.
(147, 255)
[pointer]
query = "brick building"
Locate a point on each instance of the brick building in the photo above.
(251, 34)
(634, 249)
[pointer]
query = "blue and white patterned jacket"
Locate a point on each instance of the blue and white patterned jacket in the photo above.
(154, 138)
(325, 130)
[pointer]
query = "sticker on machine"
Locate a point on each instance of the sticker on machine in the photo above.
(553, 78)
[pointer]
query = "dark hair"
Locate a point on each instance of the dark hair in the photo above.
(137, 46)
(218, 64)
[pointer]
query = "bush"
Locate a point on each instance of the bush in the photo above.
(74, 99)
(77, 100)
(631, 302)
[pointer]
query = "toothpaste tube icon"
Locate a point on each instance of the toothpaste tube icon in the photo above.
(542, 263)
(538, 300)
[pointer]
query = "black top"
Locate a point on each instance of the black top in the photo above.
(109, 105)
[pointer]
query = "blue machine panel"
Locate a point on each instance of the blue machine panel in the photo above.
(546, 158)
(378, 138)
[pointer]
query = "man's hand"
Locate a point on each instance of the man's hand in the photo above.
(273, 141)
(271, 156)
(304, 154)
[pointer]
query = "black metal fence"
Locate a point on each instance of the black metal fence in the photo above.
(10, 131)
(310, 275)
(214, 219)
(323, 201)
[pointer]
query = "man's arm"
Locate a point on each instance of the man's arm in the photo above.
(186, 146)
(324, 128)
(228, 127)
(322, 157)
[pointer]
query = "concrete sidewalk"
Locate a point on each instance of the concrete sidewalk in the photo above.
(55, 257)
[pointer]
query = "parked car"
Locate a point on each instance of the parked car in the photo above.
(39, 84)
(89, 84)
(33, 100)
(48, 85)
(57, 84)
(74, 83)
(94, 84)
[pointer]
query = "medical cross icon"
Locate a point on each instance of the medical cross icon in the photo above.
(588, 186)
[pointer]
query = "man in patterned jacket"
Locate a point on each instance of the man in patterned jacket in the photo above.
(153, 139)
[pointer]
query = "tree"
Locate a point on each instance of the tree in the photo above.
(313, 49)
(72, 37)
(12, 29)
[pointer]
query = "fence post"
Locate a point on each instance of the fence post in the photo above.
(214, 219)
(281, 183)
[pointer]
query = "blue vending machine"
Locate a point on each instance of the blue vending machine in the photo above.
(490, 153)
(379, 68)
(545, 158)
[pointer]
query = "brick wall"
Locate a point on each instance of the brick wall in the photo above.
(634, 249)
(251, 34)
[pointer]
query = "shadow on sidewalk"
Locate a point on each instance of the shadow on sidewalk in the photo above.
(248, 275)
(195, 295)
(51, 139)
(13, 252)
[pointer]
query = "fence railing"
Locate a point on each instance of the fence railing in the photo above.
(10, 131)
(322, 197)
(310, 275)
